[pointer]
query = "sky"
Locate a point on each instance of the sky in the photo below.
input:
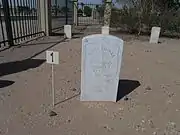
(62, 2)
(84, 1)
(100, 1)
(91, 1)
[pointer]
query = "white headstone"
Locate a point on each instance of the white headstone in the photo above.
(105, 30)
(100, 67)
(155, 32)
(67, 31)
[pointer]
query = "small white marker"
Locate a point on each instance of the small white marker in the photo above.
(68, 31)
(105, 30)
(52, 58)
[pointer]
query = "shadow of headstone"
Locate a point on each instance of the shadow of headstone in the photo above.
(125, 87)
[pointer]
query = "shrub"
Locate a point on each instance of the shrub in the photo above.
(133, 20)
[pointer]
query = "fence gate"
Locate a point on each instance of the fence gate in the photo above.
(61, 13)
(90, 14)
(18, 21)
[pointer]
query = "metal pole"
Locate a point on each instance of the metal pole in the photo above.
(2, 28)
(45, 16)
(55, 8)
(7, 19)
(75, 12)
(53, 90)
(66, 11)
(49, 18)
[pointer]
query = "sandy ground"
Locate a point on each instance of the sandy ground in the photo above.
(153, 108)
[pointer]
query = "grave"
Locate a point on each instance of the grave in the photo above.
(105, 30)
(100, 67)
(67, 31)
(155, 32)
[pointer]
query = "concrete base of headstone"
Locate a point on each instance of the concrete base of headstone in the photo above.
(67, 31)
(105, 30)
(155, 32)
(100, 67)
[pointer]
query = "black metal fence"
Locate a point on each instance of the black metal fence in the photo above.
(3, 34)
(90, 13)
(18, 21)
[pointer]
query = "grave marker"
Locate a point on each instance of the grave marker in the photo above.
(67, 31)
(155, 32)
(105, 30)
(100, 67)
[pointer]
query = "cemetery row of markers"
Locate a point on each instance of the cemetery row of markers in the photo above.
(100, 64)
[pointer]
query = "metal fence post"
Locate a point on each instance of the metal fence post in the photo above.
(75, 11)
(7, 19)
(49, 17)
(66, 1)
(55, 8)
(45, 16)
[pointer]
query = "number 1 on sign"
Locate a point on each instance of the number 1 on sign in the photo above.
(52, 56)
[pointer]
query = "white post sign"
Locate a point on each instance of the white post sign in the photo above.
(68, 31)
(52, 58)
(105, 30)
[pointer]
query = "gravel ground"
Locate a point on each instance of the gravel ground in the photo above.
(149, 109)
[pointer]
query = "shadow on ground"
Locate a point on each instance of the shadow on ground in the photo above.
(5, 83)
(125, 87)
(74, 35)
(26, 61)
(18, 66)
(15, 67)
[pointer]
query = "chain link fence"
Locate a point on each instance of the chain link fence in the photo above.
(61, 13)
(90, 14)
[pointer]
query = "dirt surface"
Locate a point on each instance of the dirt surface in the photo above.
(153, 108)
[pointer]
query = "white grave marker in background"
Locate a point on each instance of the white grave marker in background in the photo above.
(100, 67)
(67, 31)
(105, 30)
(52, 58)
(155, 32)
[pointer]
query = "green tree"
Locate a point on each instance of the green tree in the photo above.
(80, 12)
(87, 11)
(141, 15)
(100, 9)
(82, 5)
(165, 5)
